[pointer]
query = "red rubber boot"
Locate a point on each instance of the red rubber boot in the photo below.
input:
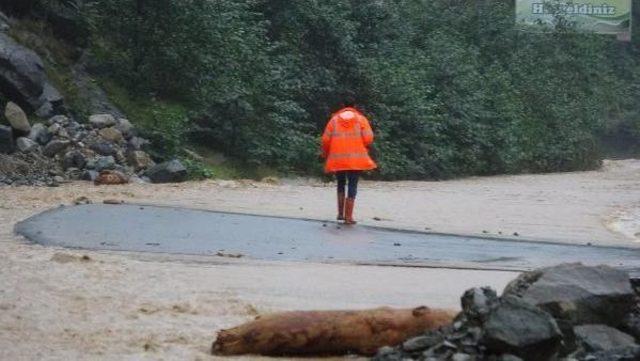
(348, 212)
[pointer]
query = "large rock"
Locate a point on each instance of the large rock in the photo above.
(63, 120)
(137, 143)
(105, 163)
(55, 147)
(139, 160)
(576, 294)
(74, 159)
(477, 303)
(125, 127)
(618, 354)
(519, 328)
(111, 134)
(89, 175)
(22, 77)
(26, 145)
(593, 338)
(54, 128)
(103, 148)
(51, 100)
(5, 22)
(167, 172)
(6, 140)
(40, 134)
(102, 120)
(17, 118)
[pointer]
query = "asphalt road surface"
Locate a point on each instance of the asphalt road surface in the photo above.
(143, 228)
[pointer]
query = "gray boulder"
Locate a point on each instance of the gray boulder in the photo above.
(54, 128)
(103, 148)
(6, 140)
(40, 134)
(508, 357)
(125, 127)
(59, 119)
(17, 118)
(137, 143)
(5, 22)
(421, 342)
(22, 75)
(51, 100)
(631, 324)
(89, 175)
(74, 159)
(26, 145)
(105, 163)
(618, 354)
(168, 172)
(477, 303)
(55, 147)
(519, 328)
(576, 294)
(102, 120)
(593, 338)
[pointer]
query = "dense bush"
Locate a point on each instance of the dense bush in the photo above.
(452, 87)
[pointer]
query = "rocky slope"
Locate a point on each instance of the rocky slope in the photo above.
(103, 148)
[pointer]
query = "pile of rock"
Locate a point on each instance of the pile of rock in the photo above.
(569, 312)
(64, 149)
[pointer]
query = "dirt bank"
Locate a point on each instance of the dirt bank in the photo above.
(56, 305)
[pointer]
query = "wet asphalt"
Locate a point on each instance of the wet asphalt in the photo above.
(144, 228)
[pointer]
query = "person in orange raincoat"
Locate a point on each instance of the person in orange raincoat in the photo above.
(345, 148)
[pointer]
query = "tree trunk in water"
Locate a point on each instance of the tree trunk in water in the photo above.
(322, 333)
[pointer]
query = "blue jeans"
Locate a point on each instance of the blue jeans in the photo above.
(352, 177)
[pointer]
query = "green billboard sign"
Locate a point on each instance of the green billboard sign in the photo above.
(600, 16)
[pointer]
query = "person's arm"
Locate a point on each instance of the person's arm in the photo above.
(366, 131)
(326, 138)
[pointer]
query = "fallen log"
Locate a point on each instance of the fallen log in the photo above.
(326, 333)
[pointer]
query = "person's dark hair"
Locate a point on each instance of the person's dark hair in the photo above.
(347, 100)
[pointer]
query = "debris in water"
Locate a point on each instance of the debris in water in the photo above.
(67, 258)
(113, 201)
(82, 200)
(229, 255)
(313, 333)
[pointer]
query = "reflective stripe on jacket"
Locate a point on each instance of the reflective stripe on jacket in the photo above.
(345, 141)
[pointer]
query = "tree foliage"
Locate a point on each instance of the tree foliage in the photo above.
(452, 87)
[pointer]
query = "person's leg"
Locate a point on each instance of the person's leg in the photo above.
(341, 178)
(353, 177)
(351, 199)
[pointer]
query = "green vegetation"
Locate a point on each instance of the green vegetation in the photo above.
(451, 87)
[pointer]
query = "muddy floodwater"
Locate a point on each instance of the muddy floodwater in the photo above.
(144, 228)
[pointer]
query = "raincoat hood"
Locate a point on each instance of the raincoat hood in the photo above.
(347, 116)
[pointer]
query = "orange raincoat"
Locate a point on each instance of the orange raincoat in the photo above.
(345, 142)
